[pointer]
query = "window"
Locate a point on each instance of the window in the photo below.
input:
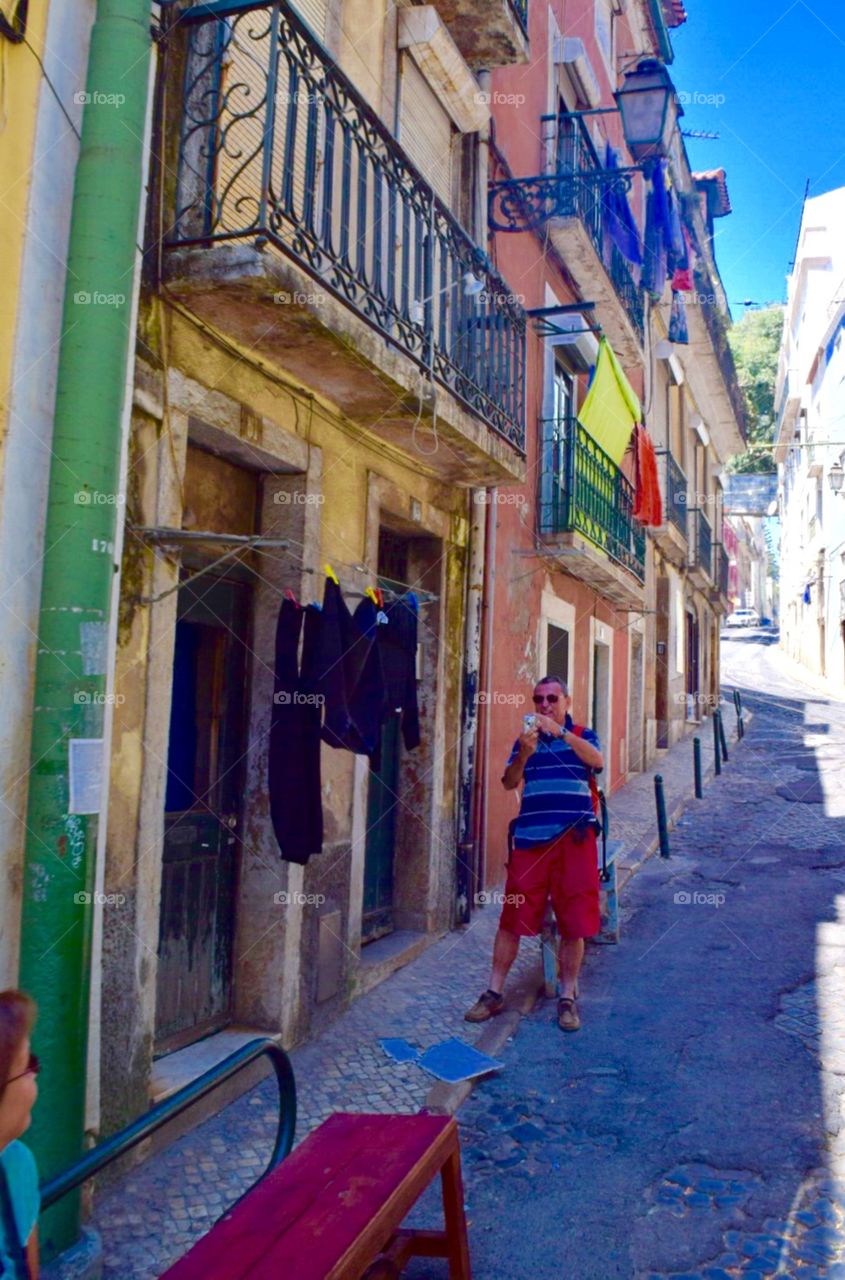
(563, 391)
(560, 406)
(426, 132)
(557, 652)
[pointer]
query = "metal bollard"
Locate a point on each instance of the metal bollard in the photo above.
(722, 738)
(662, 825)
(717, 746)
(696, 764)
(740, 726)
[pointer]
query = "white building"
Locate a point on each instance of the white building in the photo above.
(810, 439)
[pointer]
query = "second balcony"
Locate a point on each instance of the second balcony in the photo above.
(585, 513)
(569, 203)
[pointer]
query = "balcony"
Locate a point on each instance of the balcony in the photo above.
(701, 549)
(671, 536)
(713, 366)
(585, 513)
(489, 33)
(302, 230)
(568, 205)
(815, 459)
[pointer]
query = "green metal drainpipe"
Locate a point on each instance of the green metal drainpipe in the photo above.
(78, 573)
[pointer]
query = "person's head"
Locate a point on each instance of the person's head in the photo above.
(551, 698)
(18, 1068)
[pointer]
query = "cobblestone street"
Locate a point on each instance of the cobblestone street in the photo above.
(694, 1126)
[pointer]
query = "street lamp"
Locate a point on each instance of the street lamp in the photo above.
(649, 109)
(835, 476)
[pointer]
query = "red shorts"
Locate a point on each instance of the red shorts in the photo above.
(565, 870)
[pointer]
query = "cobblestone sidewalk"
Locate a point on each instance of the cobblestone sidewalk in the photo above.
(156, 1212)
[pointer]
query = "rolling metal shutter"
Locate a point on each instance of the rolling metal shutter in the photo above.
(314, 13)
(426, 132)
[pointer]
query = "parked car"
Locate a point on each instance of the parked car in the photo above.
(743, 618)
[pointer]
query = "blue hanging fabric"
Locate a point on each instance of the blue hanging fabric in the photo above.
(657, 234)
(618, 218)
(678, 330)
(807, 594)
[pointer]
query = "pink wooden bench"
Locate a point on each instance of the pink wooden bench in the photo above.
(333, 1209)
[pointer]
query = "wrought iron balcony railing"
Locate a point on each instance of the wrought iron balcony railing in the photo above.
(583, 491)
(717, 330)
(703, 549)
(575, 187)
(277, 146)
(520, 9)
(675, 492)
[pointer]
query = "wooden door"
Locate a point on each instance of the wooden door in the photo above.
(383, 792)
(382, 806)
(661, 673)
(202, 811)
(692, 666)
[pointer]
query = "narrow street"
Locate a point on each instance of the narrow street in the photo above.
(417, 420)
(692, 1127)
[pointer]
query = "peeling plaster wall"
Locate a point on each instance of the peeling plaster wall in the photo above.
(339, 485)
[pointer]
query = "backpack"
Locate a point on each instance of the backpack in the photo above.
(599, 809)
(595, 793)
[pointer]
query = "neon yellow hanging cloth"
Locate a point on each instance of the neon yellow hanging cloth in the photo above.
(611, 408)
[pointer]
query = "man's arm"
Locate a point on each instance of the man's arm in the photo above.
(512, 776)
(585, 751)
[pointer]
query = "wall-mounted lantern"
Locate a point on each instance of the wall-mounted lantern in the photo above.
(650, 110)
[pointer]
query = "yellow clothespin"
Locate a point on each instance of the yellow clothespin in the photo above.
(330, 573)
(371, 594)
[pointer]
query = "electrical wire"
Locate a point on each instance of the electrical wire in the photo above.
(50, 84)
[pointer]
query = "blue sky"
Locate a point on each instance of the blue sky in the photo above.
(769, 77)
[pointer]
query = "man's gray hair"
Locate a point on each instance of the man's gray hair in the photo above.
(554, 680)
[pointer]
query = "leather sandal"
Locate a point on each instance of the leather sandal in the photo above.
(567, 1014)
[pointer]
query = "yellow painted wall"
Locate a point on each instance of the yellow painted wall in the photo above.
(19, 88)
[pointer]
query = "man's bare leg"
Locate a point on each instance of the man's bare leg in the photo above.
(570, 959)
(505, 950)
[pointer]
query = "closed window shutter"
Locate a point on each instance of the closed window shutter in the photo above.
(426, 131)
(314, 13)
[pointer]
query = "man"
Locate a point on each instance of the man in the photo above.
(554, 849)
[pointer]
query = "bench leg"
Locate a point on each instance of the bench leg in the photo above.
(453, 1212)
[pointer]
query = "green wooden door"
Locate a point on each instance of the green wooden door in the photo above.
(382, 806)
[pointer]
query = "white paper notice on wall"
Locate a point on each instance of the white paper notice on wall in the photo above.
(85, 769)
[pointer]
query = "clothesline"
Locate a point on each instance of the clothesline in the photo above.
(264, 544)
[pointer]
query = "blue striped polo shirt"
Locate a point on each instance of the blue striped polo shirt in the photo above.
(556, 790)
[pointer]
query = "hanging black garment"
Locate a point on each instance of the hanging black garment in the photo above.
(397, 642)
(350, 674)
(296, 806)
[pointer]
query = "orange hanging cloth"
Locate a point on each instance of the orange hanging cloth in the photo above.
(648, 507)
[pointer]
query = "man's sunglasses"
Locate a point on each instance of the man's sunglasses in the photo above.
(32, 1069)
(544, 697)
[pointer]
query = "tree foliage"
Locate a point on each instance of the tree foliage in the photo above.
(755, 344)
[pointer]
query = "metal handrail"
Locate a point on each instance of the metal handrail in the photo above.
(582, 490)
(119, 1143)
(703, 552)
(675, 506)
